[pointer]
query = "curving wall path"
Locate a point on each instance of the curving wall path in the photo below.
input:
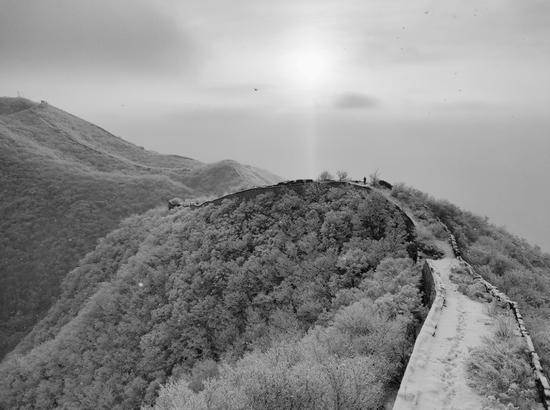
(435, 377)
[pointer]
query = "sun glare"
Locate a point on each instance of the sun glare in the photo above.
(308, 67)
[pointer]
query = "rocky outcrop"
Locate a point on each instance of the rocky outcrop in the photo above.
(175, 203)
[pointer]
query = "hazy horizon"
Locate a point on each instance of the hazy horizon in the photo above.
(450, 98)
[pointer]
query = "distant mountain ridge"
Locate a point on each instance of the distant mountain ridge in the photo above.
(65, 183)
(63, 136)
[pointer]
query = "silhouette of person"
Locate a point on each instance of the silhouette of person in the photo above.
(364, 180)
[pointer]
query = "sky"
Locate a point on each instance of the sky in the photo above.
(451, 97)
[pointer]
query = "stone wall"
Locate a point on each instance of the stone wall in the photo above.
(428, 285)
(435, 294)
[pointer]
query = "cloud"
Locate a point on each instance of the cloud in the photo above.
(355, 101)
(135, 35)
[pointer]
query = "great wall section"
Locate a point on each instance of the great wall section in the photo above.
(435, 376)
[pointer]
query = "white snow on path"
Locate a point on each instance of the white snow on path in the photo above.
(436, 374)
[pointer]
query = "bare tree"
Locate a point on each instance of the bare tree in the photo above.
(342, 175)
(325, 176)
(374, 178)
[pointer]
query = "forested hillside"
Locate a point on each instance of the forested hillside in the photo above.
(305, 292)
(65, 183)
(302, 296)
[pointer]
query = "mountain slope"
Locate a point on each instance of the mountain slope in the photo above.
(64, 183)
(172, 291)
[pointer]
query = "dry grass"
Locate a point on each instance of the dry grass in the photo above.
(506, 328)
(500, 369)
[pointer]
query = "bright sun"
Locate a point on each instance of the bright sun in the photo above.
(308, 67)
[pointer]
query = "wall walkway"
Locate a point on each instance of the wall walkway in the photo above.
(435, 377)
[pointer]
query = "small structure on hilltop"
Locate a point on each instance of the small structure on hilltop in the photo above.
(175, 203)
(385, 184)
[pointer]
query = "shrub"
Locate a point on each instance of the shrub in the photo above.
(346, 365)
(427, 242)
(500, 368)
(506, 327)
(438, 230)
(325, 176)
(466, 285)
(304, 375)
(201, 372)
(540, 333)
(342, 175)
